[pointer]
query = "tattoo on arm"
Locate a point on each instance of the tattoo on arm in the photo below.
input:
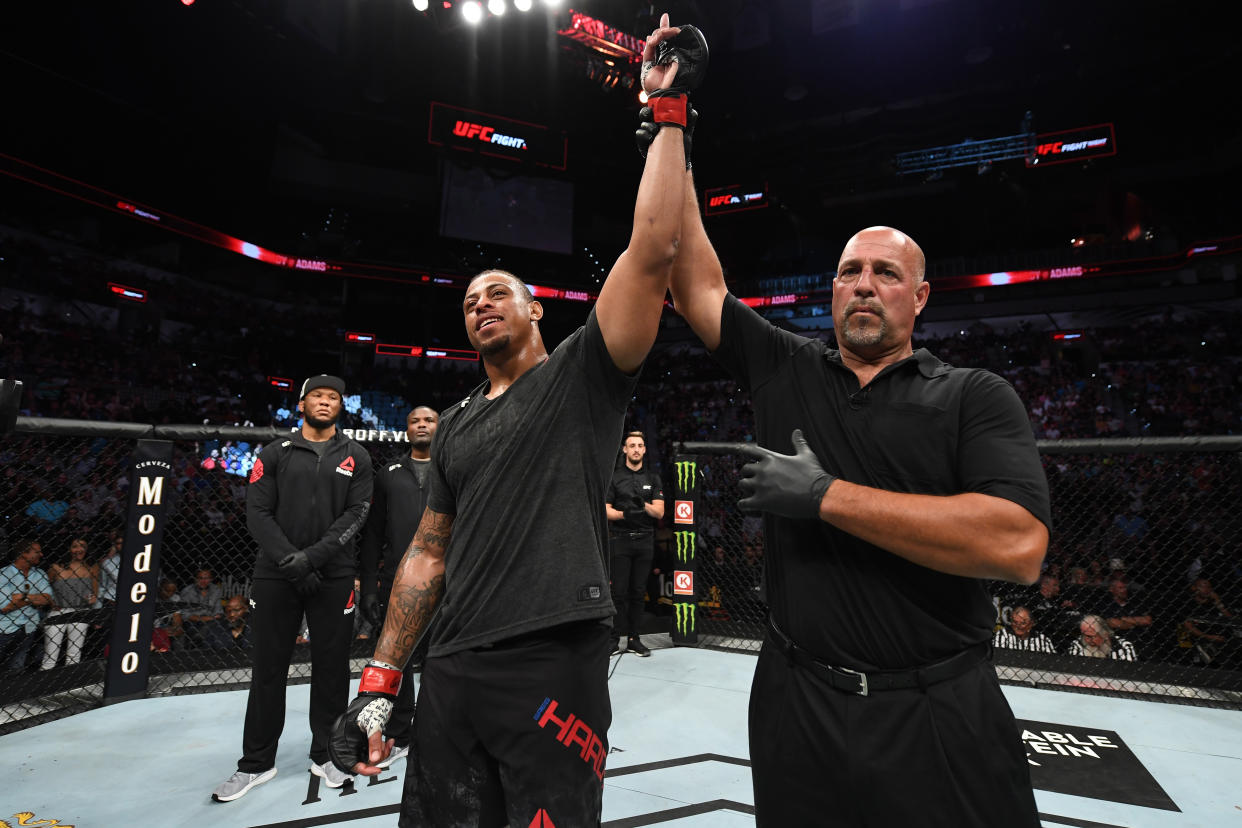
(417, 589)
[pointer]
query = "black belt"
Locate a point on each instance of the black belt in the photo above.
(863, 684)
(631, 535)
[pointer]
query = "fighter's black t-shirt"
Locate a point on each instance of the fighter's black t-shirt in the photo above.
(920, 426)
(525, 476)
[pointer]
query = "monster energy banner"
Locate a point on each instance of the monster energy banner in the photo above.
(685, 535)
(129, 652)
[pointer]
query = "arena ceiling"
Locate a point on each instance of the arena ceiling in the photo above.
(267, 118)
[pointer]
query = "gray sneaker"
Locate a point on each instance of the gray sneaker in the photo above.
(239, 783)
(397, 752)
(331, 776)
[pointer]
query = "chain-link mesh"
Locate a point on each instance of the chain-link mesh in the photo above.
(1142, 587)
(1164, 525)
(61, 488)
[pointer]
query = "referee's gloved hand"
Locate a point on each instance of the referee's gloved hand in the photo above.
(792, 486)
(787, 485)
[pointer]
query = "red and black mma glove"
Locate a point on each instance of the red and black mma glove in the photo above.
(349, 742)
(671, 107)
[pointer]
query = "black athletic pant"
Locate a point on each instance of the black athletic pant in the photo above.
(399, 723)
(275, 618)
(631, 554)
(513, 734)
(949, 756)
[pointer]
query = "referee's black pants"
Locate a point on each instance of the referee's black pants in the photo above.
(631, 554)
(275, 618)
(950, 755)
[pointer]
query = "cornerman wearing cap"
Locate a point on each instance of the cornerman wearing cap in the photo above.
(308, 499)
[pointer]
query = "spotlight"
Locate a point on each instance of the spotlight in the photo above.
(522, 5)
(472, 11)
(642, 96)
(496, 7)
(420, 5)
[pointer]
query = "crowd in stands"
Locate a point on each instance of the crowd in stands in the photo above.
(1170, 519)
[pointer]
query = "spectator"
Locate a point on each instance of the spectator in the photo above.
(1021, 634)
(1052, 610)
(48, 510)
(1124, 613)
(1078, 593)
(168, 618)
(204, 602)
(1097, 640)
(24, 592)
(109, 569)
(1207, 627)
(232, 631)
(75, 587)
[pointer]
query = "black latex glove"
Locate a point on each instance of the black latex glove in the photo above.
(790, 485)
(371, 611)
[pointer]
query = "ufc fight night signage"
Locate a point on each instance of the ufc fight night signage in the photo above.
(1073, 145)
(734, 199)
(492, 135)
(1087, 761)
(129, 651)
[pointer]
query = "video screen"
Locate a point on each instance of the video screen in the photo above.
(518, 210)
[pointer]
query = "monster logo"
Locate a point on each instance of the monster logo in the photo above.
(685, 545)
(685, 474)
(685, 618)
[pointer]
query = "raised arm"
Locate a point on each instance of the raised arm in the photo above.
(698, 283)
(632, 298)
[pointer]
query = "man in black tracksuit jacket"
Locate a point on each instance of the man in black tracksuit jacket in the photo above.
(308, 499)
(400, 497)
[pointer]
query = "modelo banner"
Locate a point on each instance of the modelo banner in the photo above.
(129, 651)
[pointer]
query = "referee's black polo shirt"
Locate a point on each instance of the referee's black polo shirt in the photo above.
(920, 426)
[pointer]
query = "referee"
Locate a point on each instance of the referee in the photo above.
(308, 498)
(635, 503)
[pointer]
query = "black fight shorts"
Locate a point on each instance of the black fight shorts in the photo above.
(512, 734)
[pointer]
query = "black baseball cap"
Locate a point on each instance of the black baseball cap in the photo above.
(322, 381)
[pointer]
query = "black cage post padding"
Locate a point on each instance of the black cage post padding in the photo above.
(686, 599)
(137, 588)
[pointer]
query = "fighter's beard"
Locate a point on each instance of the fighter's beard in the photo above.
(318, 424)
